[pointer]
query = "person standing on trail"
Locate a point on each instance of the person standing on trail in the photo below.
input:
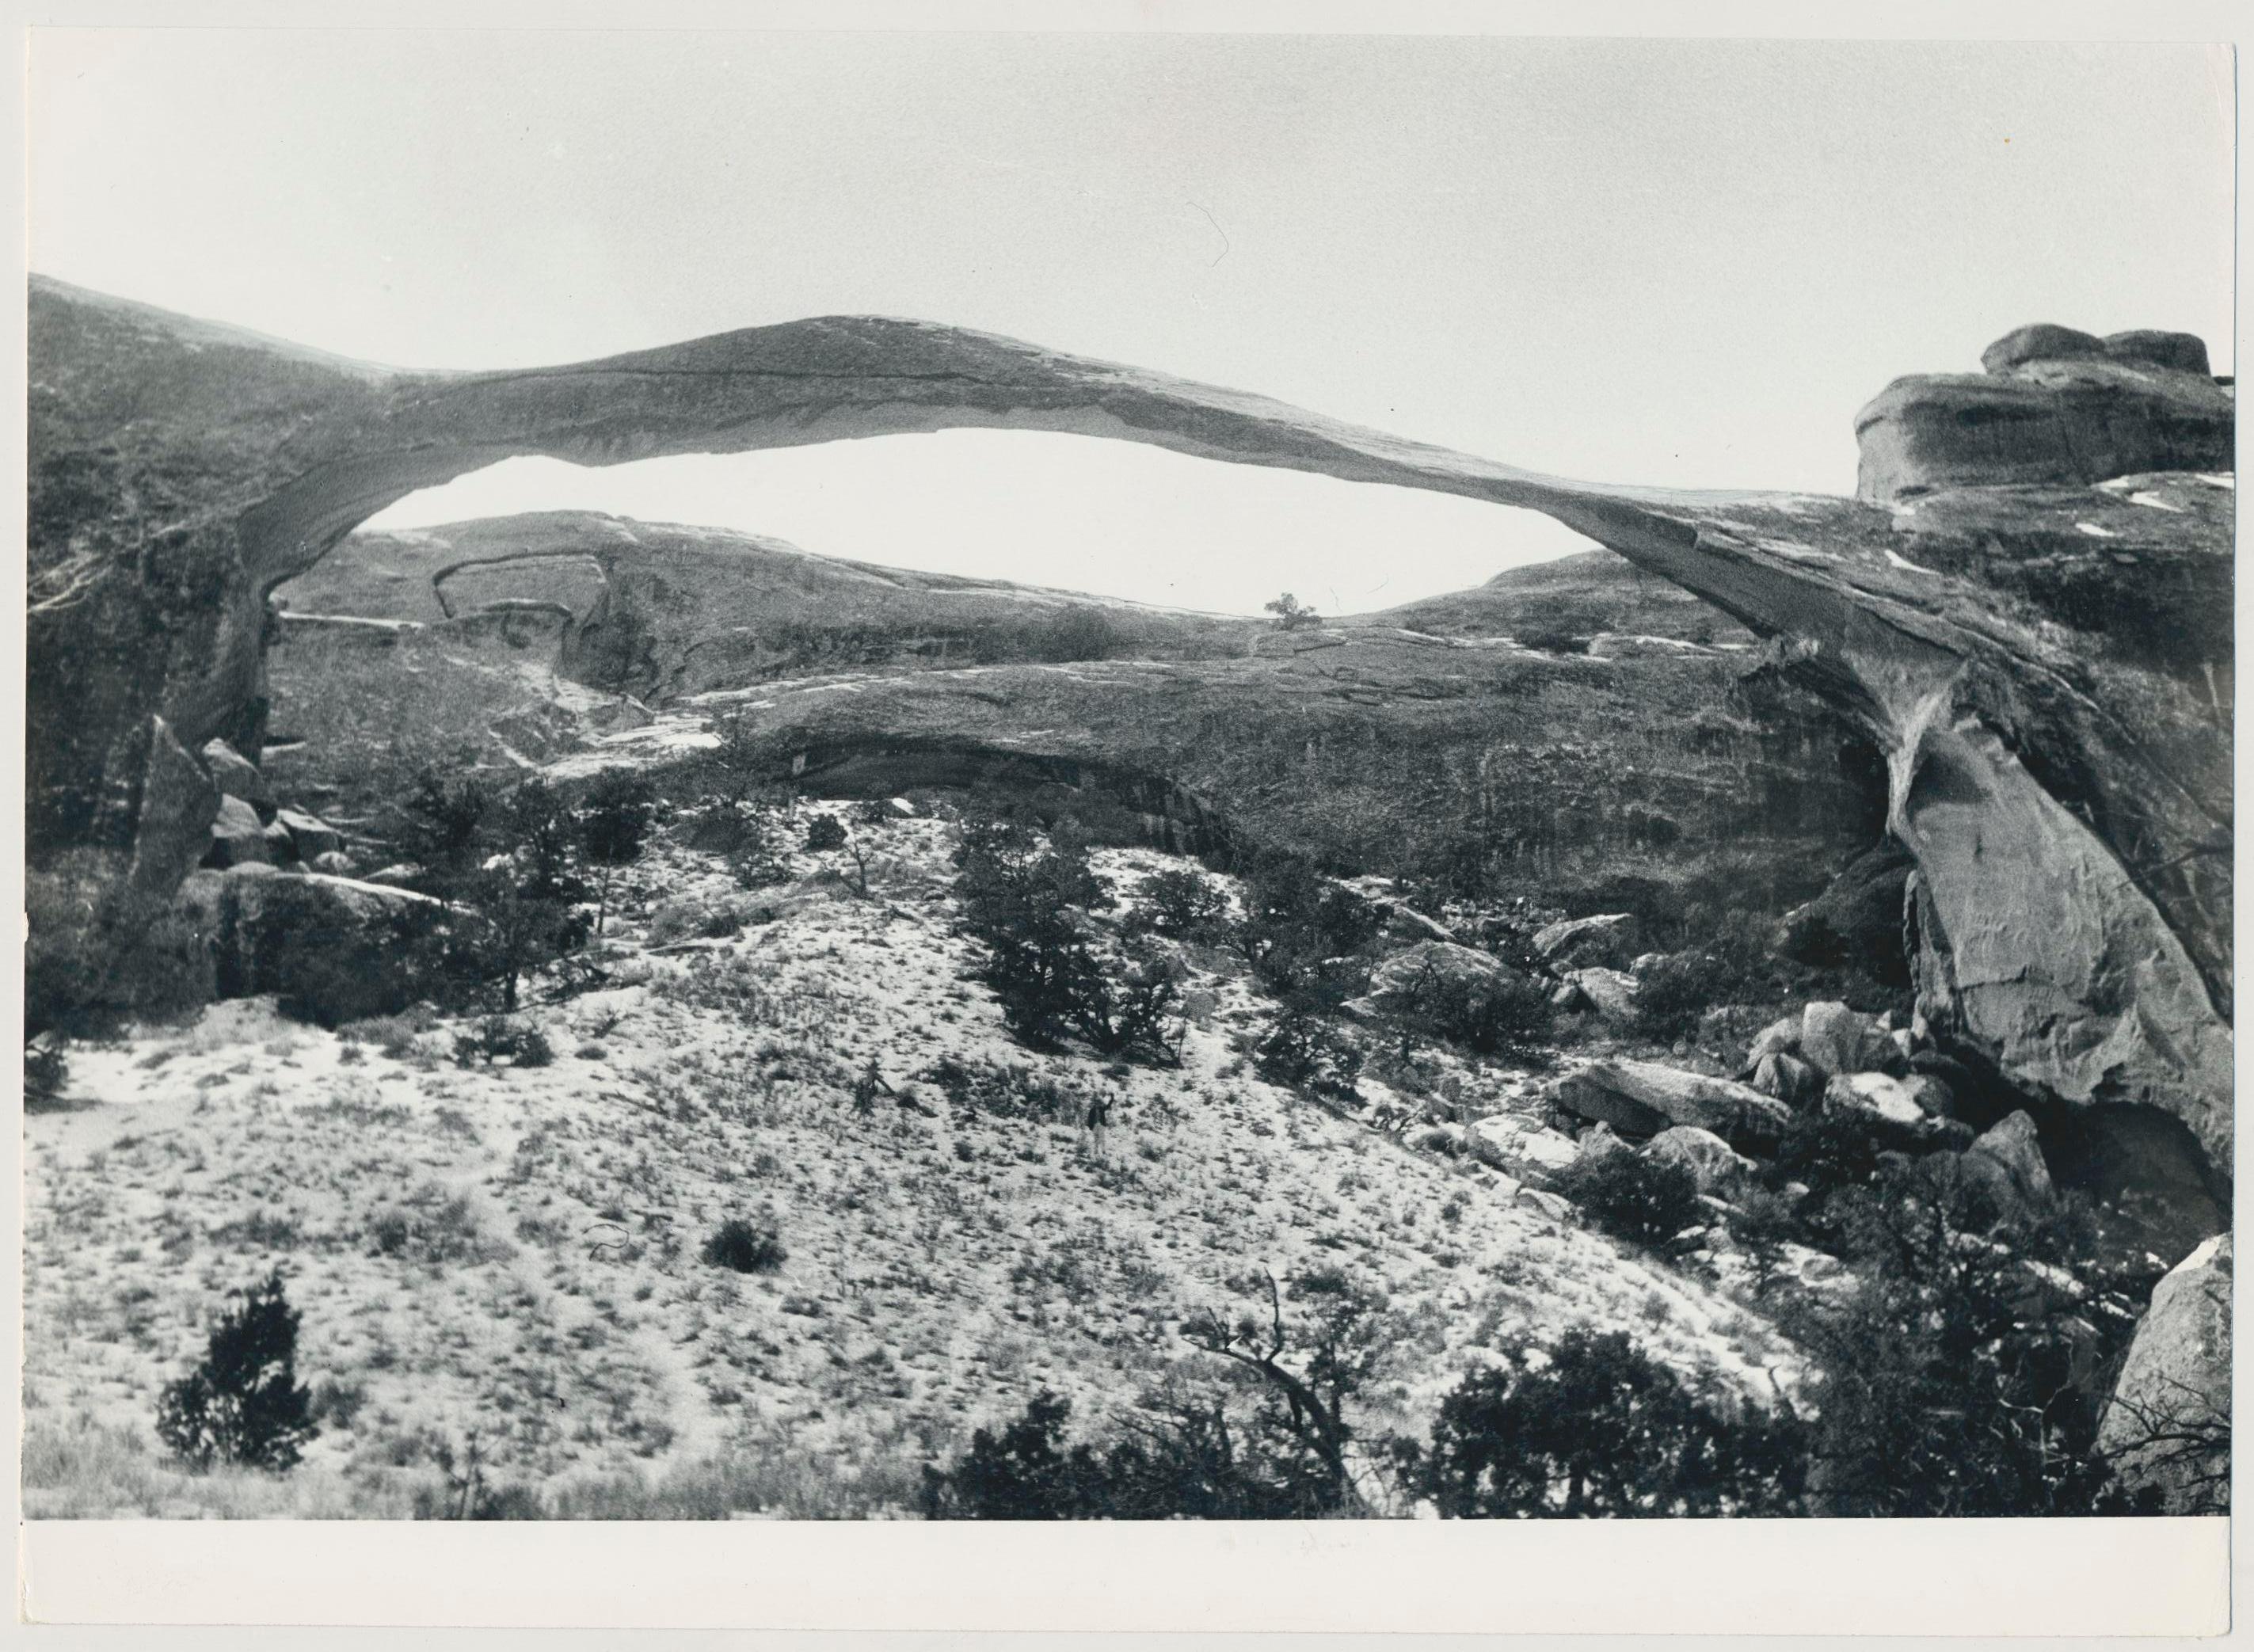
(1098, 1115)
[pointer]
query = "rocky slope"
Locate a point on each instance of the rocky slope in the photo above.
(510, 1255)
(2065, 790)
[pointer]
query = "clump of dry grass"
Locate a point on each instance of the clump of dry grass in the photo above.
(81, 1469)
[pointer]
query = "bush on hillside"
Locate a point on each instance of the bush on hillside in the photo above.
(46, 1077)
(1305, 1052)
(1646, 1202)
(242, 1404)
(1307, 938)
(497, 1037)
(1186, 1461)
(1599, 1429)
(614, 821)
(1490, 1014)
(1178, 903)
(1025, 899)
(745, 1246)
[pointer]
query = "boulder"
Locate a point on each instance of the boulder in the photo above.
(1642, 1098)
(1858, 918)
(329, 943)
(1607, 940)
(312, 836)
(1613, 991)
(1835, 1040)
(1720, 1168)
(1931, 1093)
(1890, 1099)
(236, 775)
(2039, 341)
(2184, 351)
(174, 804)
(281, 848)
(1556, 1206)
(334, 862)
(1780, 1037)
(2013, 1144)
(1598, 1142)
(238, 837)
(1399, 983)
(1521, 1145)
(1566, 996)
(1788, 1079)
(2166, 1429)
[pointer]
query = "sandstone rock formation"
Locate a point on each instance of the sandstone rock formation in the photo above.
(2052, 405)
(1407, 978)
(1721, 1170)
(1642, 1098)
(2167, 1427)
(1606, 940)
(2040, 641)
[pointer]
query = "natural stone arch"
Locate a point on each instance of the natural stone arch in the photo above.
(181, 471)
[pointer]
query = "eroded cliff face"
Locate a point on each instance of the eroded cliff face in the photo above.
(2038, 643)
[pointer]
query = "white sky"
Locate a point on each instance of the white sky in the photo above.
(1667, 263)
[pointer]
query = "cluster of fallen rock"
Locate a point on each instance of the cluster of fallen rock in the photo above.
(252, 830)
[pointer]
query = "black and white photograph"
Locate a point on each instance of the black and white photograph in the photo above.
(889, 776)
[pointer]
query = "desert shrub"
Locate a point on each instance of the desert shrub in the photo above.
(745, 1246)
(517, 924)
(1305, 936)
(614, 823)
(393, 1034)
(825, 831)
(338, 1401)
(695, 916)
(1491, 1014)
(1179, 903)
(1002, 1090)
(1673, 993)
(505, 870)
(1595, 1429)
(1764, 1221)
(1302, 1051)
(1188, 1461)
(1965, 1371)
(1018, 894)
(1732, 963)
(498, 1038)
(1291, 614)
(440, 827)
(46, 1076)
(242, 1404)
(1646, 1202)
(1829, 1149)
(434, 1226)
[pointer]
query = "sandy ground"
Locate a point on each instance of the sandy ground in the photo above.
(513, 1255)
